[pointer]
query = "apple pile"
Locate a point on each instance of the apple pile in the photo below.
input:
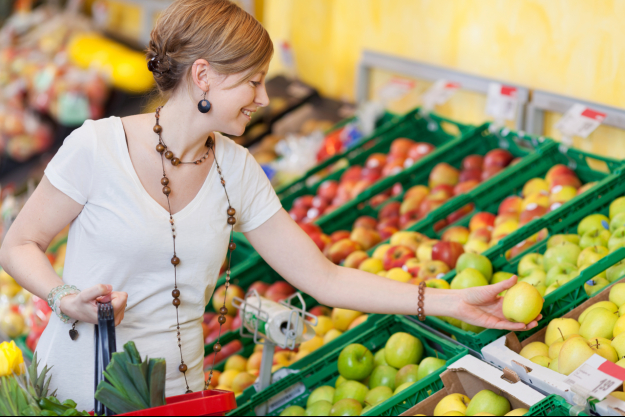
(599, 330)
(484, 403)
(367, 380)
(539, 197)
(333, 194)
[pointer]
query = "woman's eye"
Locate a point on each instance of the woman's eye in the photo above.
(255, 83)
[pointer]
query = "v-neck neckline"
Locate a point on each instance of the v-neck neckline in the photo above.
(125, 151)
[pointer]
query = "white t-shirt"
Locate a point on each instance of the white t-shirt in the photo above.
(122, 237)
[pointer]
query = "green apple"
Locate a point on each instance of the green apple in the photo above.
(617, 294)
(592, 255)
(559, 239)
(293, 411)
(522, 303)
(554, 365)
(617, 207)
(534, 349)
(339, 381)
(355, 362)
(564, 253)
(517, 412)
(450, 403)
(478, 262)
(554, 349)
(454, 322)
(403, 349)
(529, 263)
(560, 328)
(558, 271)
(597, 237)
(608, 305)
(602, 274)
(320, 408)
(501, 277)
(429, 366)
(618, 343)
(595, 285)
(598, 323)
(617, 222)
(536, 277)
(324, 393)
(542, 361)
(487, 401)
(573, 353)
(617, 240)
(468, 278)
(378, 396)
(409, 373)
(383, 376)
(592, 222)
(353, 390)
(346, 407)
(379, 359)
(621, 363)
(603, 347)
(553, 287)
(616, 272)
(471, 328)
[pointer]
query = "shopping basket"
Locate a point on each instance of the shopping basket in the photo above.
(205, 403)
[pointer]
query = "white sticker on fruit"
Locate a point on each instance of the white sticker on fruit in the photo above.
(580, 121)
(440, 92)
(395, 89)
(286, 397)
(596, 377)
(502, 102)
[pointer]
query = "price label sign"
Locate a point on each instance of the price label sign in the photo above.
(439, 93)
(580, 121)
(502, 102)
(395, 89)
(597, 377)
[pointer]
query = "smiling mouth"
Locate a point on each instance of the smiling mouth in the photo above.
(247, 113)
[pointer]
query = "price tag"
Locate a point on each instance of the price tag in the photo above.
(580, 121)
(395, 89)
(286, 396)
(597, 377)
(502, 102)
(439, 93)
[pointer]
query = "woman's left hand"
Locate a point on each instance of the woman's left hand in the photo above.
(482, 306)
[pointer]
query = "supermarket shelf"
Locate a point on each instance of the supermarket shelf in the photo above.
(543, 102)
(375, 60)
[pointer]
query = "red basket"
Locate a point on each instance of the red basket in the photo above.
(205, 403)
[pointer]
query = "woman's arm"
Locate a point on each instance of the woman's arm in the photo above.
(291, 253)
(22, 254)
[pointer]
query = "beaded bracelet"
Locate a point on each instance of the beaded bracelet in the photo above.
(55, 297)
(420, 311)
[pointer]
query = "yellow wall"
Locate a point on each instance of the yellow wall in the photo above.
(572, 47)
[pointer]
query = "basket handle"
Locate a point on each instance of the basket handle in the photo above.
(105, 345)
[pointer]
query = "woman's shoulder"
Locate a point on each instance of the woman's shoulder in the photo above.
(93, 133)
(232, 151)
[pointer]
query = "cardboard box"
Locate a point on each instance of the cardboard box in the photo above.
(504, 354)
(469, 376)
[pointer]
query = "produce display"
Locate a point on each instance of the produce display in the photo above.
(484, 403)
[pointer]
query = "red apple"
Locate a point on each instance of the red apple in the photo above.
(490, 172)
(520, 248)
(328, 190)
(396, 257)
(413, 266)
(470, 175)
(532, 212)
(502, 218)
(401, 146)
(279, 290)
(378, 200)
(511, 204)
(447, 252)
(483, 235)
(321, 240)
(419, 150)
(344, 192)
(444, 173)
(411, 204)
(428, 206)
(339, 235)
(320, 203)
(558, 171)
(376, 160)
(389, 222)
(237, 322)
(473, 162)
(320, 311)
(355, 259)
(387, 231)
(440, 225)
(366, 238)
(442, 191)
(260, 287)
(390, 210)
(208, 317)
(565, 180)
(367, 222)
(312, 215)
(310, 229)
(361, 186)
(482, 220)
(304, 202)
(341, 250)
(227, 350)
(218, 298)
(397, 189)
(298, 214)
(408, 219)
(417, 191)
(433, 269)
(393, 168)
(456, 234)
(498, 158)
(352, 173)
(465, 187)
(372, 174)
(206, 330)
(463, 212)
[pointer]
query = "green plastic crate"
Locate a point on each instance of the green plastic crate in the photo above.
(553, 405)
(374, 335)
(561, 221)
(295, 185)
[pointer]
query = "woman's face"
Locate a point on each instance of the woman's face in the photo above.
(232, 108)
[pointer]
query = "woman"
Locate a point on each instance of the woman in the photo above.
(147, 231)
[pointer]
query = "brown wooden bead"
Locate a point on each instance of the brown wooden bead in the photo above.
(217, 348)
(175, 260)
(223, 311)
(175, 162)
(175, 293)
(165, 181)
(166, 190)
(160, 148)
(169, 154)
(221, 319)
(176, 302)
(158, 129)
(182, 368)
(232, 246)
(223, 182)
(231, 212)
(232, 221)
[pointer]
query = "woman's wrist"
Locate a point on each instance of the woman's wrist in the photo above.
(68, 306)
(440, 302)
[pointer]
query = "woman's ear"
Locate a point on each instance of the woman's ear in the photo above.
(201, 74)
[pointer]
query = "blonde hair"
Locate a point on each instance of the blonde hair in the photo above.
(219, 31)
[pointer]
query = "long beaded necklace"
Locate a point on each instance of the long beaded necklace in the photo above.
(175, 260)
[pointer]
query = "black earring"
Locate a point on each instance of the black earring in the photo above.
(204, 105)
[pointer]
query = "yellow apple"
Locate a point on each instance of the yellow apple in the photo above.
(324, 325)
(398, 274)
(573, 353)
(372, 265)
(453, 402)
(380, 252)
(331, 335)
(534, 349)
(313, 344)
(425, 250)
(341, 319)
(522, 303)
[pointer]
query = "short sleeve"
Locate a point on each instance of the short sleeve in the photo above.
(71, 169)
(258, 198)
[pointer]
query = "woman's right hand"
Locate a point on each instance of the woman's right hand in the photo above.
(84, 306)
